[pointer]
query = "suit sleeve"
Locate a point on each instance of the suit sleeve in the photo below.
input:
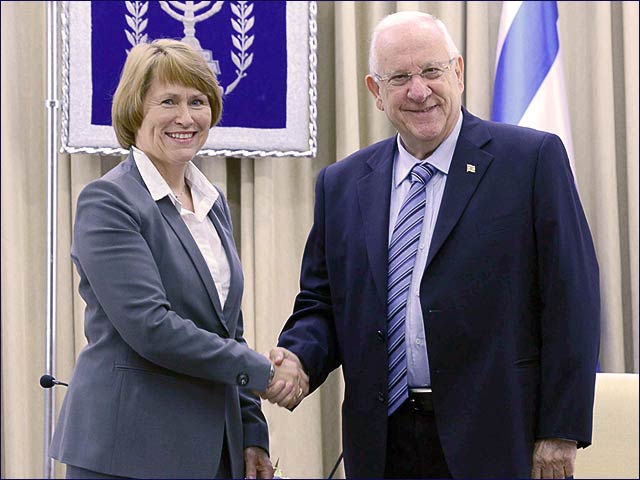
(569, 287)
(254, 424)
(310, 331)
(115, 259)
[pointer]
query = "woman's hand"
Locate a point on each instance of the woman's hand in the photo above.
(257, 463)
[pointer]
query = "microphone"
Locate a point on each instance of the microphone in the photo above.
(48, 381)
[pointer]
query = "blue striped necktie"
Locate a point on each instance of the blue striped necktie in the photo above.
(402, 255)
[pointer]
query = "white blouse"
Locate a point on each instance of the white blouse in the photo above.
(204, 195)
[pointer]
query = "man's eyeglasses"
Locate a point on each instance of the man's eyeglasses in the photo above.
(433, 71)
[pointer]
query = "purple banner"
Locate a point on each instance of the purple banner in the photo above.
(263, 53)
(259, 97)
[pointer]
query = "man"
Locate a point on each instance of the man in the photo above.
(460, 297)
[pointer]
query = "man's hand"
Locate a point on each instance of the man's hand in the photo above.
(290, 383)
(553, 458)
(257, 463)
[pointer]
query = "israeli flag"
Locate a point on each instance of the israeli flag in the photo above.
(529, 87)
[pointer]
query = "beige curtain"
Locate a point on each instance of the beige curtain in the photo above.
(272, 200)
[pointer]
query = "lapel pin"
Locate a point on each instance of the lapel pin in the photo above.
(471, 168)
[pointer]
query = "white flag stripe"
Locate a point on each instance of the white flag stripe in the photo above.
(509, 11)
(549, 110)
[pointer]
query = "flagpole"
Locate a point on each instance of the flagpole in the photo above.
(52, 106)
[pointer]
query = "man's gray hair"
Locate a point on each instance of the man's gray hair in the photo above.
(400, 18)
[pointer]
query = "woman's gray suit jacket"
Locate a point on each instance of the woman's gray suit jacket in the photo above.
(166, 373)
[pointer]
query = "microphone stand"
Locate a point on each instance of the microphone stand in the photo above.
(52, 105)
(335, 467)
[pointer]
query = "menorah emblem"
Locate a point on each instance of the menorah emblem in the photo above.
(189, 19)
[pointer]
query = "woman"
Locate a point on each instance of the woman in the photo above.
(164, 386)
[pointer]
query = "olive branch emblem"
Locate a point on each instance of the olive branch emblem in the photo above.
(137, 23)
(242, 41)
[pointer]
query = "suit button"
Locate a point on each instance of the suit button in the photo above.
(380, 397)
(380, 336)
(242, 379)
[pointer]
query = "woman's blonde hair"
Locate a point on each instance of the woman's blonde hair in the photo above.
(170, 61)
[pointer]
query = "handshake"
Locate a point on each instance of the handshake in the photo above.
(290, 383)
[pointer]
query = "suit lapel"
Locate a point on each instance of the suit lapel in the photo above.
(222, 226)
(173, 218)
(374, 194)
(468, 166)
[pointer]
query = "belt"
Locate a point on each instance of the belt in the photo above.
(421, 400)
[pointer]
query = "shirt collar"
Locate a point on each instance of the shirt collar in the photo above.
(203, 193)
(440, 158)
